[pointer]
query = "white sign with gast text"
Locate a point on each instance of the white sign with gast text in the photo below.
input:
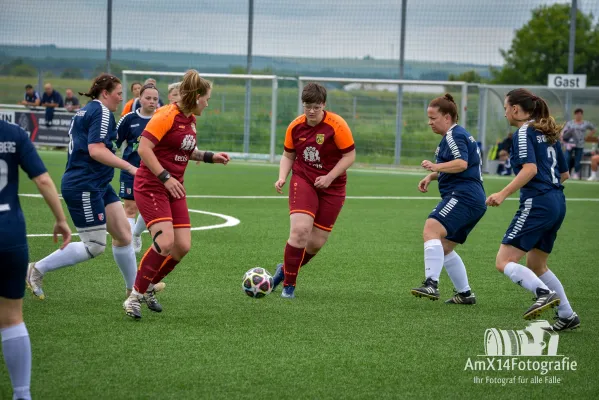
(567, 81)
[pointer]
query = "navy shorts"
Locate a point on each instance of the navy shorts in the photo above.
(458, 217)
(126, 187)
(13, 271)
(89, 208)
(536, 222)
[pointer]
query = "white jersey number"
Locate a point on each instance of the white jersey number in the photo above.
(71, 137)
(3, 182)
(552, 155)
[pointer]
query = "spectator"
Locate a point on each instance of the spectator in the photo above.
(507, 143)
(32, 98)
(51, 99)
(574, 135)
(71, 103)
(504, 168)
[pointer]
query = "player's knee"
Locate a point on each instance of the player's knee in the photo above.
(180, 250)
(130, 209)
(300, 234)
(94, 241)
(163, 242)
(10, 315)
(500, 263)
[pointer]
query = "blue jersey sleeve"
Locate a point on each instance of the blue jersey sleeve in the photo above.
(523, 149)
(561, 159)
(122, 131)
(29, 159)
(458, 146)
(98, 125)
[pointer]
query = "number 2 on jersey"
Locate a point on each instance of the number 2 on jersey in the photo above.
(3, 182)
(552, 155)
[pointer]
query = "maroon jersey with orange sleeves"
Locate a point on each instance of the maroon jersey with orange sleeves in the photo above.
(174, 137)
(319, 148)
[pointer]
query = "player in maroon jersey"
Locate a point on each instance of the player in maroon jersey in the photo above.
(166, 146)
(319, 148)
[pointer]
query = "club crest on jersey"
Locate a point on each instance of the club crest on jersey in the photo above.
(128, 190)
(101, 216)
(189, 143)
(320, 138)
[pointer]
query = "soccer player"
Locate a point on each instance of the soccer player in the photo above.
(16, 150)
(594, 166)
(458, 170)
(319, 148)
(173, 92)
(92, 202)
(135, 89)
(165, 147)
(129, 130)
(136, 104)
(540, 169)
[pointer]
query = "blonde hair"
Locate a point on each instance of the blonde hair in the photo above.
(173, 86)
(191, 86)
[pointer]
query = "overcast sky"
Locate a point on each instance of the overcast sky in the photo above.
(436, 30)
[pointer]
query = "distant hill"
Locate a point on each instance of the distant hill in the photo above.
(56, 59)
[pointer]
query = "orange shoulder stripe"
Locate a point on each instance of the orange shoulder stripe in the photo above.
(289, 134)
(343, 136)
(162, 121)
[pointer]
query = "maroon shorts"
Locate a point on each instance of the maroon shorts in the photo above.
(155, 204)
(305, 198)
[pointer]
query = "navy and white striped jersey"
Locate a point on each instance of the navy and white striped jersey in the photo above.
(531, 146)
(16, 151)
(458, 144)
(129, 130)
(94, 123)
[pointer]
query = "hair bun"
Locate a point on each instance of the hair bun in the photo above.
(449, 97)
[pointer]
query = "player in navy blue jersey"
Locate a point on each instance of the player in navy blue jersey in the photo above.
(540, 168)
(17, 151)
(458, 169)
(92, 202)
(129, 131)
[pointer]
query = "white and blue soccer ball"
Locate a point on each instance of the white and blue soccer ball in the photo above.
(257, 282)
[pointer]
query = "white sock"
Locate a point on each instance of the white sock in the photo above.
(593, 174)
(524, 277)
(457, 272)
(125, 259)
(16, 348)
(140, 226)
(433, 259)
(74, 253)
(564, 310)
(132, 223)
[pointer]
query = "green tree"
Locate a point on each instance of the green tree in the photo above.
(540, 48)
(23, 70)
(468, 76)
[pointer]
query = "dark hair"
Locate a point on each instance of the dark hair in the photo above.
(578, 110)
(28, 87)
(102, 82)
(147, 86)
(314, 93)
(446, 105)
(135, 83)
(538, 110)
(192, 85)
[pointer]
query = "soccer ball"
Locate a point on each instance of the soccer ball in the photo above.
(257, 282)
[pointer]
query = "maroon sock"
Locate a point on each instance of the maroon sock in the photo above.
(167, 266)
(292, 262)
(307, 258)
(148, 268)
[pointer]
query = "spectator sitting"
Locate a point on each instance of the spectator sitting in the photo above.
(71, 103)
(51, 99)
(504, 168)
(32, 98)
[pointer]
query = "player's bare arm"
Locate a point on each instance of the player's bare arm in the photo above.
(100, 153)
(346, 161)
(209, 157)
(529, 170)
(451, 167)
(423, 184)
(284, 168)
